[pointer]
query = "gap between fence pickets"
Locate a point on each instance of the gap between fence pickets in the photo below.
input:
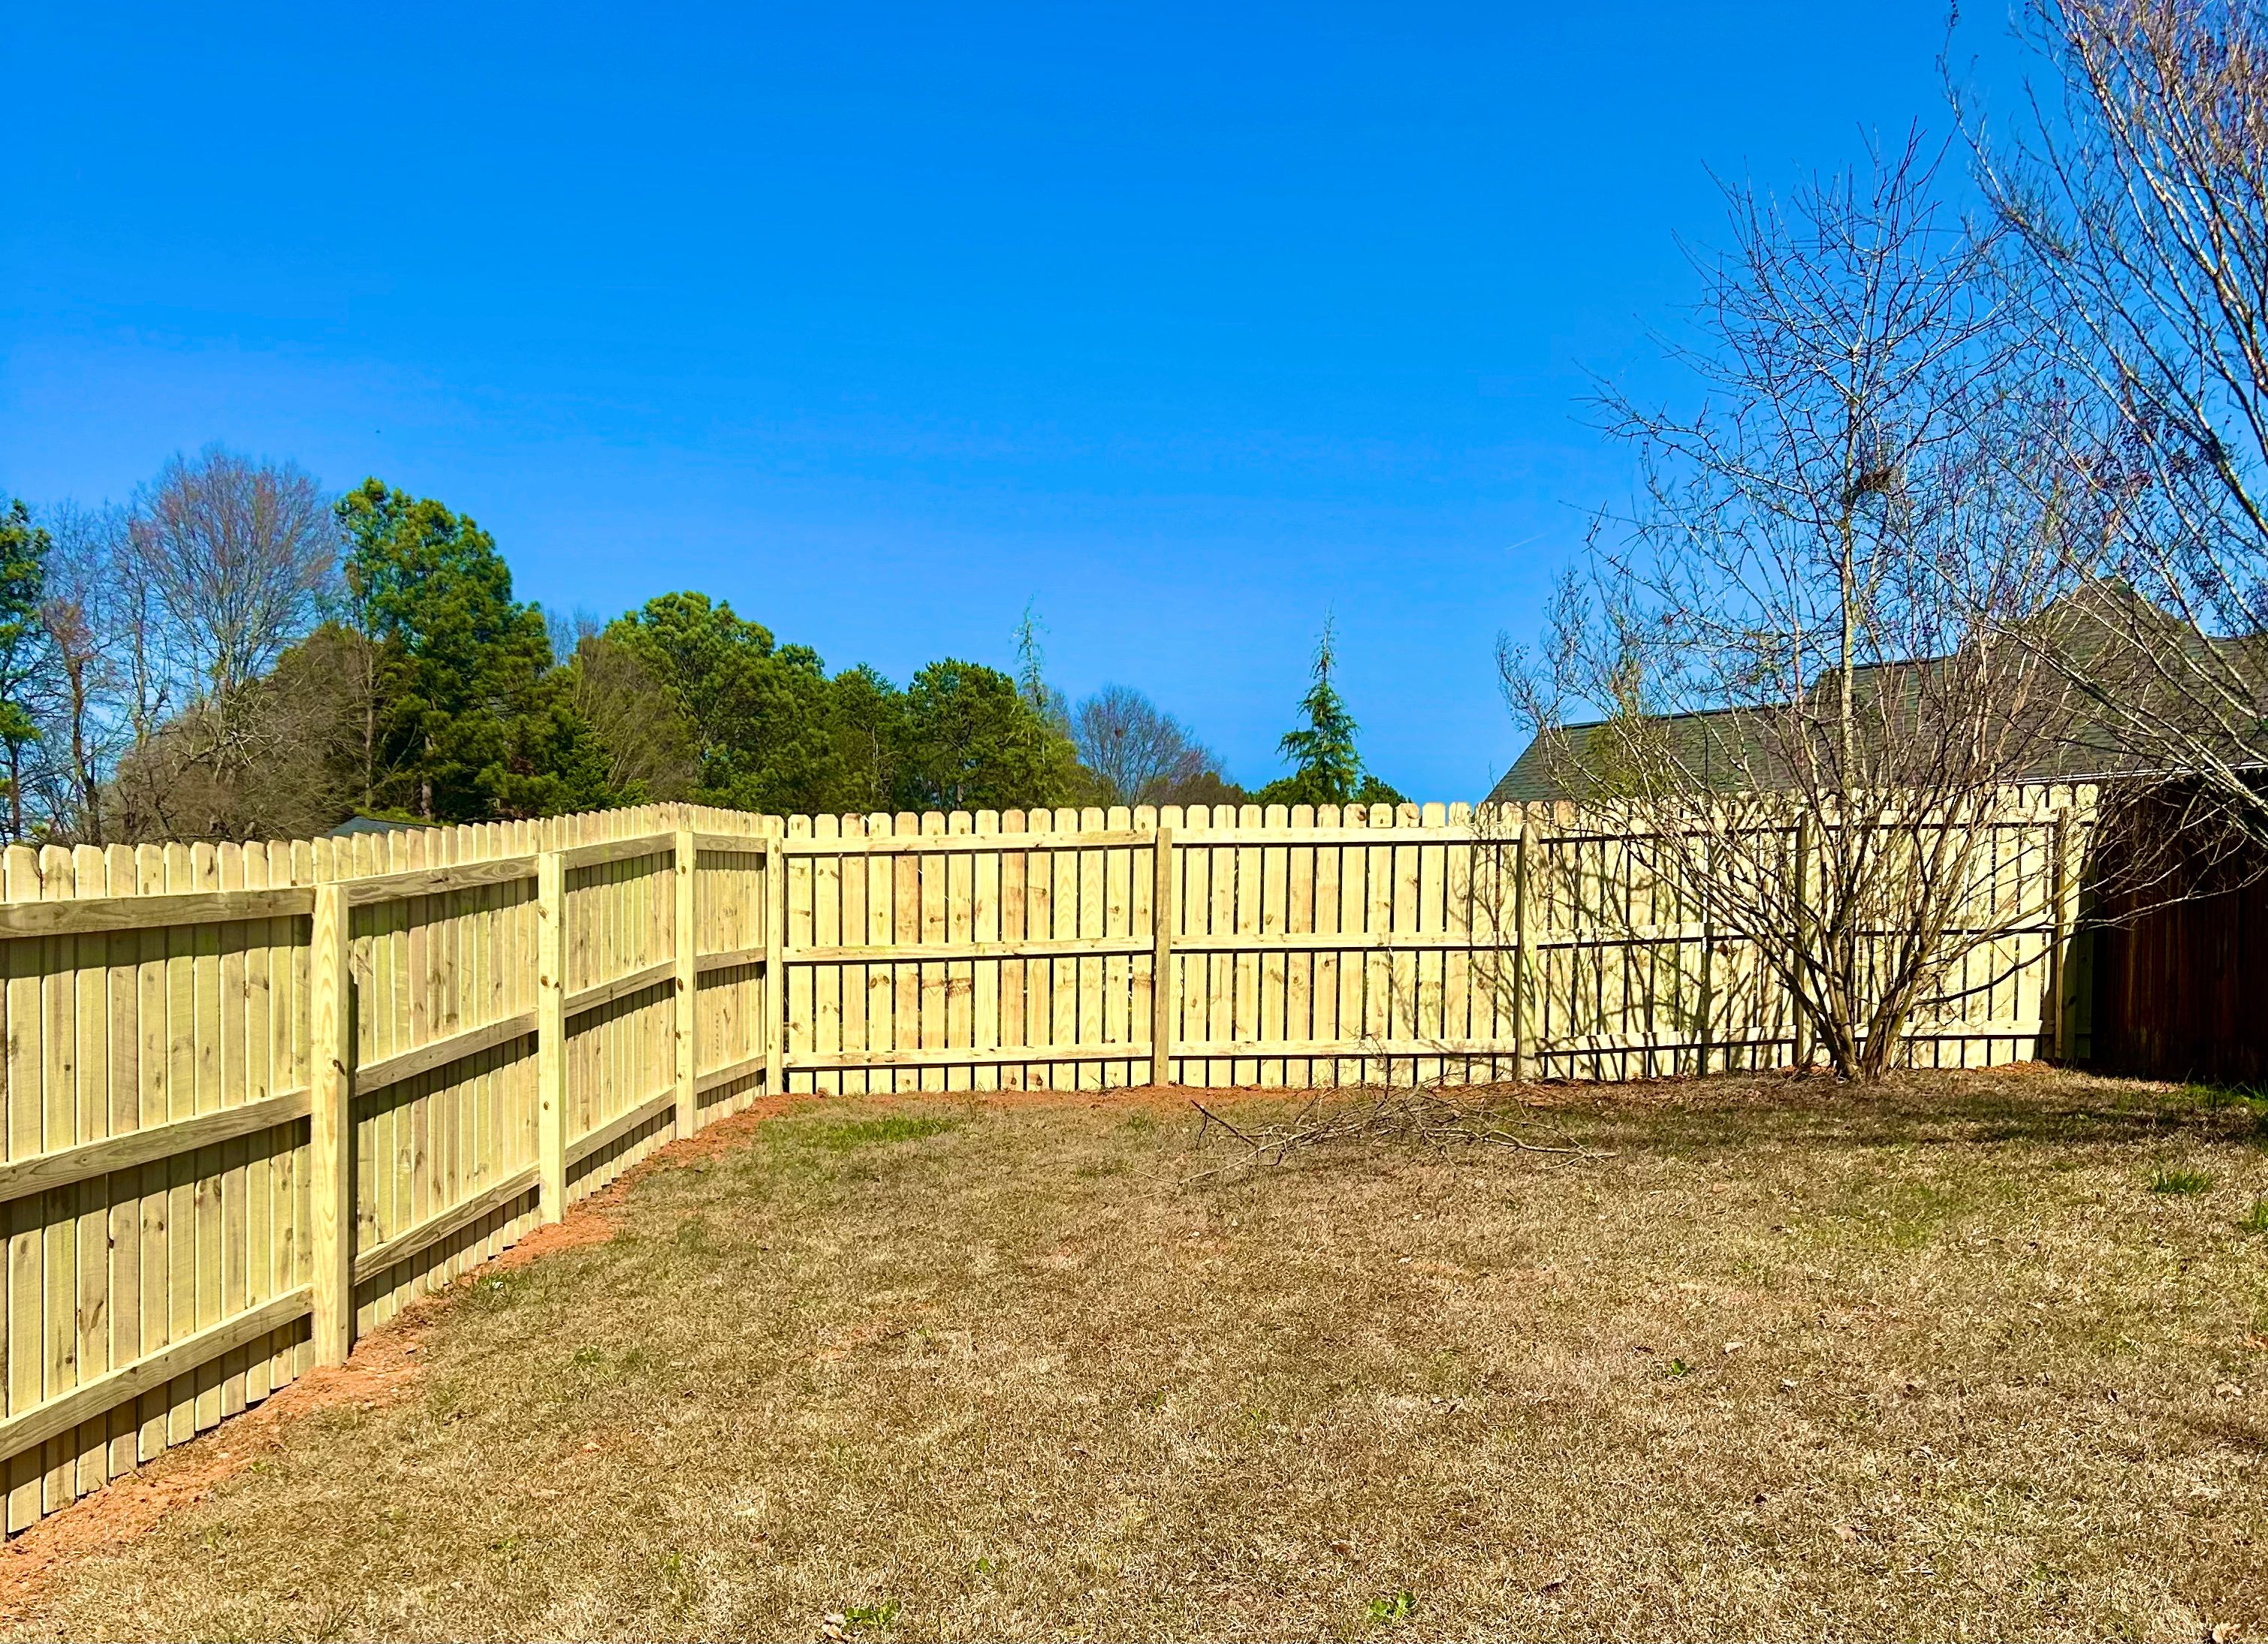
(338, 1267)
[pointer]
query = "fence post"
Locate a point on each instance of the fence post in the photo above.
(1802, 1051)
(2057, 1024)
(775, 984)
(331, 1124)
(1523, 1036)
(1708, 999)
(1161, 961)
(684, 932)
(551, 1032)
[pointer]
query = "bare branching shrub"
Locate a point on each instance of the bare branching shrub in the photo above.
(2130, 196)
(1800, 635)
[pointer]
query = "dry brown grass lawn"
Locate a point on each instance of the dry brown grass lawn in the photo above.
(1794, 1361)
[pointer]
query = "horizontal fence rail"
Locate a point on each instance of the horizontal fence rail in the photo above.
(1306, 947)
(259, 1097)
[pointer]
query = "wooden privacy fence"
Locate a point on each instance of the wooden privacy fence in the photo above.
(988, 952)
(258, 1097)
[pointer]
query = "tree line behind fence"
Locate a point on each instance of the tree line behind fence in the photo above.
(258, 1098)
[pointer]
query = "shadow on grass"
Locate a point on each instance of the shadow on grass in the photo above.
(2019, 1109)
(2029, 1108)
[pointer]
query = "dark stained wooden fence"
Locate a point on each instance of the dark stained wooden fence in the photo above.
(2181, 991)
(2178, 945)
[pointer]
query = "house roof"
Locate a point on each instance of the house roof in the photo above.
(354, 825)
(1730, 745)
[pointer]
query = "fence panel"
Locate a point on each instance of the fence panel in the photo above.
(159, 1188)
(444, 1108)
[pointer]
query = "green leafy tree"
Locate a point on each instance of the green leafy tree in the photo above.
(1326, 769)
(866, 737)
(24, 549)
(467, 720)
(555, 762)
(760, 710)
(973, 742)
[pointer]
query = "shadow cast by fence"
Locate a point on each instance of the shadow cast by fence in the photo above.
(2024, 1107)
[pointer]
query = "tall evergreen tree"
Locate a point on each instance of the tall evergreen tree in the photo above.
(760, 709)
(1062, 779)
(1326, 769)
(469, 723)
(1031, 657)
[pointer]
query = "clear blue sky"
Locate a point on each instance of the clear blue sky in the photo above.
(1187, 322)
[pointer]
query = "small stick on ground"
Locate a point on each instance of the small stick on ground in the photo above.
(1426, 1116)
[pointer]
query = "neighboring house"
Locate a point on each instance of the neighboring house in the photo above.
(1704, 744)
(2071, 745)
(2170, 978)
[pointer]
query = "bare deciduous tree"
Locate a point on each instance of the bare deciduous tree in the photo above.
(1136, 748)
(88, 612)
(2133, 201)
(237, 557)
(296, 732)
(1813, 708)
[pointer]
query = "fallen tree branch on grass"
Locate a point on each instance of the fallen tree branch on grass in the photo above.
(1425, 1117)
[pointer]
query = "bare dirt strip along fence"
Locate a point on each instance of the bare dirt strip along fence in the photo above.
(260, 1096)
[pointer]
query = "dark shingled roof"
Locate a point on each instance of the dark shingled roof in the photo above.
(2079, 749)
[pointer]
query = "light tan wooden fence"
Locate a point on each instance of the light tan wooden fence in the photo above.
(1025, 950)
(259, 1097)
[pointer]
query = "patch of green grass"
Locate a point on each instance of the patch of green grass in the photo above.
(2174, 1182)
(1903, 1213)
(2256, 1219)
(499, 1290)
(2250, 1103)
(849, 1135)
(1918, 1210)
(678, 1580)
(880, 1617)
(600, 1367)
(1394, 1609)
